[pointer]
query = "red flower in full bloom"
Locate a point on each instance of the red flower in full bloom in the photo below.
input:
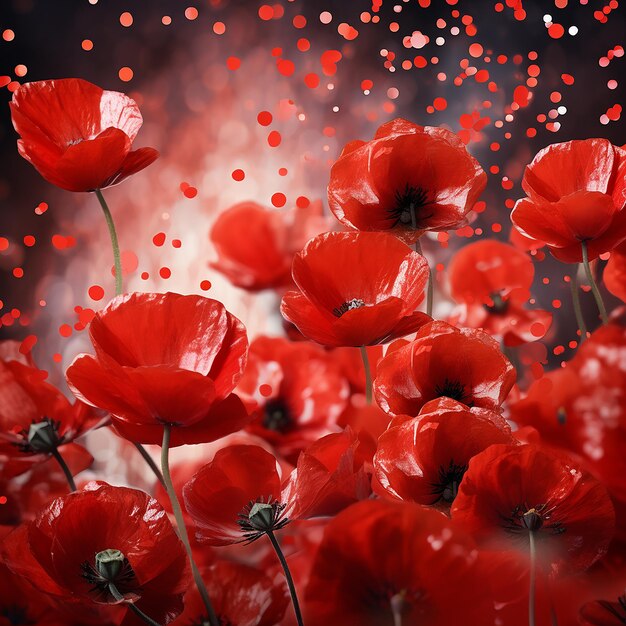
(240, 595)
(384, 563)
(82, 543)
(356, 289)
(465, 365)
(509, 491)
(165, 359)
(491, 281)
(78, 136)
(615, 272)
(296, 392)
(425, 458)
(408, 179)
(35, 417)
(255, 245)
(576, 193)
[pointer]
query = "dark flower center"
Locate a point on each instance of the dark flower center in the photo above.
(532, 519)
(410, 208)
(499, 306)
(453, 389)
(110, 572)
(259, 517)
(276, 416)
(15, 615)
(449, 480)
(41, 437)
(355, 303)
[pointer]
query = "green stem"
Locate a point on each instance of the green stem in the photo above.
(117, 259)
(592, 283)
(430, 289)
(368, 375)
(66, 470)
(135, 609)
(150, 461)
(531, 591)
(180, 522)
(580, 320)
(292, 588)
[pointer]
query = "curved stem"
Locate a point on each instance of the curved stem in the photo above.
(292, 588)
(180, 522)
(135, 609)
(531, 591)
(117, 259)
(592, 283)
(66, 470)
(368, 375)
(580, 320)
(150, 461)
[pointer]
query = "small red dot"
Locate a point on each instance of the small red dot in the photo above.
(279, 199)
(264, 118)
(238, 175)
(96, 292)
(165, 272)
(205, 285)
(265, 390)
(190, 192)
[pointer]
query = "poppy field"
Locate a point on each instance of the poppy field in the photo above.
(312, 315)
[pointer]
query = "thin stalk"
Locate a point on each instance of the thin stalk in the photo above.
(430, 289)
(117, 259)
(531, 591)
(592, 283)
(580, 320)
(66, 470)
(150, 461)
(368, 375)
(180, 522)
(135, 609)
(292, 588)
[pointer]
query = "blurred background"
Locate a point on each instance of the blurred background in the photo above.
(511, 77)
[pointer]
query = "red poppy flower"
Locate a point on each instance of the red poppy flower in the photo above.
(296, 393)
(443, 361)
(240, 595)
(164, 359)
(77, 136)
(35, 417)
(509, 491)
(615, 272)
(356, 289)
(384, 563)
(576, 193)
(255, 245)
(491, 280)
(368, 422)
(425, 458)
(408, 179)
(82, 543)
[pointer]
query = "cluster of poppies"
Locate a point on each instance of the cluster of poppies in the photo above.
(378, 464)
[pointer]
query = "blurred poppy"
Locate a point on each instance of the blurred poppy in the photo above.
(408, 179)
(255, 246)
(509, 491)
(465, 365)
(77, 136)
(351, 363)
(85, 542)
(36, 419)
(240, 595)
(424, 459)
(296, 393)
(164, 359)
(576, 192)
(384, 563)
(491, 281)
(356, 289)
(615, 272)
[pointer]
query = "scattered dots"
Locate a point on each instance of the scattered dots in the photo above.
(205, 285)
(265, 390)
(165, 272)
(96, 292)
(8, 34)
(274, 139)
(190, 192)
(87, 44)
(279, 199)
(159, 239)
(29, 241)
(238, 175)
(219, 28)
(191, 13)
(233, 63)
(264, 118)
(126, 74)
(126, 19)
(326, 17)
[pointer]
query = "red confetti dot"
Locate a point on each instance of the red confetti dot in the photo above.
(233, 63)
(274, 139)
(238, 175)
(282, 171)
(4, 243)
(145, 275)
(158, 239)
(537, 329)
(205, 285)
(312, 80)
(65, 330)
(176, 243)
(191, 13)
(279, 199)
(440, 104)
(264, 118)
(265, 390)
(126, 19)
(96, 292)
(266, 12)
(302, 202)
(126, 74)
(190, 192)
(556, 31)
(165, 272)
(285, 67)
(29, 241)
